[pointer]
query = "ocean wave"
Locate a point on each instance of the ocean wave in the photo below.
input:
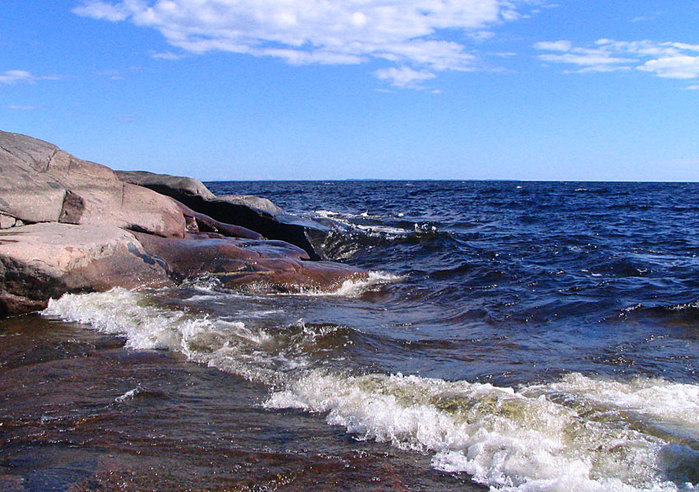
(669, 405)
(501, 437)
(687, 312)
(350, 288)
(238, 347)
(225, 344)
(577, 433)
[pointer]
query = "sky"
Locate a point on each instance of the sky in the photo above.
(575, 90)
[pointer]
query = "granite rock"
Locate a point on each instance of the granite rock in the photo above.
(45, 260)
(254, 213)
(42, 183)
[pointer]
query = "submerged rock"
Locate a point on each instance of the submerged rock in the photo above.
(275, 265)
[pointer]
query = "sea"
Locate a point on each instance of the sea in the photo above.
(538, 336)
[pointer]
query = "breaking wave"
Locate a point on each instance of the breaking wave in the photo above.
(577, 433)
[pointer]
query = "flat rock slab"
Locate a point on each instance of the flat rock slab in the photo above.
(45, 260)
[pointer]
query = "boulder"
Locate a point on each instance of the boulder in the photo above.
(45, 260)
(26, 194)
(242, 210)
(7, 221)
(42, 183)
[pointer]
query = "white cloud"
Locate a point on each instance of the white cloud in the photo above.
(404, 76)
(14, 77)
(167, 55)
(102, 10)
(664, 59)
(424, 35)
(693, 88)
(554, 45)
(675, 67)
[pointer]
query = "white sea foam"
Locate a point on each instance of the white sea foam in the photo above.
(382, 229)
(356, 287)
(502, 437)
(664, 403)
(350, 221)
(224, 344)
(128, 395)
(579, 433)
(353, 287)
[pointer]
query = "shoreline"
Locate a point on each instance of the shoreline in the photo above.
(68, 225)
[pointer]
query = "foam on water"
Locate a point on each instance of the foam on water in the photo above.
(225, 344)
(502, 437)
(580, 433)
(353, 287)
(669, 404)
(356, 287)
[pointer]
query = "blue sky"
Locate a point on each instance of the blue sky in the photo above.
(392, 89)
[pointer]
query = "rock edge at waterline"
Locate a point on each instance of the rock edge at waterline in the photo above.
(69, 225)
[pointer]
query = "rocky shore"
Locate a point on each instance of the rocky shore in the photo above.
(69, 225)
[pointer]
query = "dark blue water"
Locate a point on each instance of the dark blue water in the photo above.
(530, 336)
(527, 280)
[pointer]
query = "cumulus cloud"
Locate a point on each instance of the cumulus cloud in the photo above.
(664, 59)
(15, 77)
(411, 36)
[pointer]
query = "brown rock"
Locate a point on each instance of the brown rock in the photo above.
(254, 213)
(260, 203)
(198, 222)
(239, 262)
(166, 184)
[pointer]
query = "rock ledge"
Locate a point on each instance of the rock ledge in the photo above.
(69, 225)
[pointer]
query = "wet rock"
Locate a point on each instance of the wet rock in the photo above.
(46, 260)
(198, 222)
(241, 262)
